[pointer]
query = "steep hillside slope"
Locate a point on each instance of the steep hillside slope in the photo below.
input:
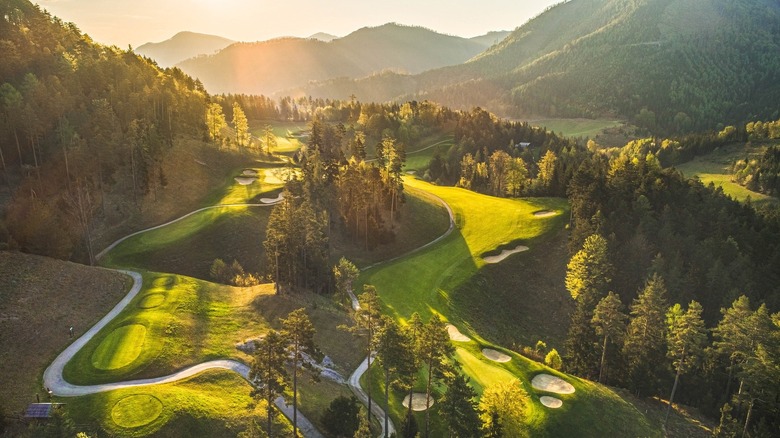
(691, 65)
(183, 45)
(271, 66)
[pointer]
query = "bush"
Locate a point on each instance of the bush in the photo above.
(340, 419)
(553, 360)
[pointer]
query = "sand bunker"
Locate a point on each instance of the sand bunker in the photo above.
(544, 213)
(456, 335)
(546, 382)
(245, 180)
(249, 172)
(551, 402)
(418, 401)
(495, 356)
(504, 254)
(272, 200)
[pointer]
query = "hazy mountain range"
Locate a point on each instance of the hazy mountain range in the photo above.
(183, 45)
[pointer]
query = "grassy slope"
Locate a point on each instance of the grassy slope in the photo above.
(434, 279)
(715, 168)
(576, 127)
(419, 158)
(39, 299)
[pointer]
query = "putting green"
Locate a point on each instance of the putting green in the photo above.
(151, 301)
(120, 348)
(136, 410)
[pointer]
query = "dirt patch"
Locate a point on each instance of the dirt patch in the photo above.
(418, 401)
(551, 402)
(544, 213)
(41, 299)
(495, 356)
(245, 180)
(456, 335)
(546, 382)
(504, 254)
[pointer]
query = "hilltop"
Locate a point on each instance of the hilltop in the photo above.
(271, 66)
(183, 45)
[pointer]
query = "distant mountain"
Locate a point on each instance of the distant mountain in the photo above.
(491, 38)
(183, 45)
(322, 36)
(271, 66)
(688, 65)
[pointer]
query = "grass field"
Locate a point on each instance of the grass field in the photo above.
(287, 134)
(715, 168)
(576, 127)
(419, 158)
(215, 403)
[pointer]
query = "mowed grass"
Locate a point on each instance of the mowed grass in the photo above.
(576, 127)
(195, 322)
(715, 168)
(213, 404)
(420, 157)
(287, 134)
(484, 223)
(189, 247)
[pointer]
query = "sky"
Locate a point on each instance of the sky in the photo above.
(134, 22)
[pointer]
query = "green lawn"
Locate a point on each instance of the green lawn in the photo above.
(419, 158)
(576, 127)
(715, 168)
(174, 322)
(287, 134)
(215, 403)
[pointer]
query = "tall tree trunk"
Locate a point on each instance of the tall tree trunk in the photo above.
(5, 169)
(295, 394)
(747, 418)
(18, 149)
(674, 388)
(427, 398)
(603, 355)
(387, 399)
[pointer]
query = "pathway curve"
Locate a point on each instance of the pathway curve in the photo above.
(54, 380)
(354, 379)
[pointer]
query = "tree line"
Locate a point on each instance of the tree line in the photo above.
(655, 345)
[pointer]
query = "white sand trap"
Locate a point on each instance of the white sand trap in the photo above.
(504, 254)
(544, 213)
(418, 401)
(456, 335)
(551, 402)
(249, 172)
(245, 180)
(495, 356)
(546, 382)
(272, 200)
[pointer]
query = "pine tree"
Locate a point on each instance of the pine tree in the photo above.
(269, 139)
(345, 272)
(268, 369)
(686, 340)
(215, 121)
(645, 344)
(609, 322)
(393, 353)
(458, 409)
(299, 333)
(503, 407)
(434, 350)
(240, 125)
(368, 318)
(364, 427)
(413, 333)
(588, 275)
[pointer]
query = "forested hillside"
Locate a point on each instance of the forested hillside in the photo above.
(277, 65)
(87, 132)
(667, 65)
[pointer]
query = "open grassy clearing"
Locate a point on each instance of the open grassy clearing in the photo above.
(715, 168)
(288, 138)
(185, 322)
(215, 403)
(420, 157)
(190, 247)
(434, 273)
(576, 127)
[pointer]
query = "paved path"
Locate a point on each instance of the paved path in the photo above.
(354, 379)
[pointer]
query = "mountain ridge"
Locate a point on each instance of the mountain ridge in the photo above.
(181, 46)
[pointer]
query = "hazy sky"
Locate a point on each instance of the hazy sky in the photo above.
(134, 22)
